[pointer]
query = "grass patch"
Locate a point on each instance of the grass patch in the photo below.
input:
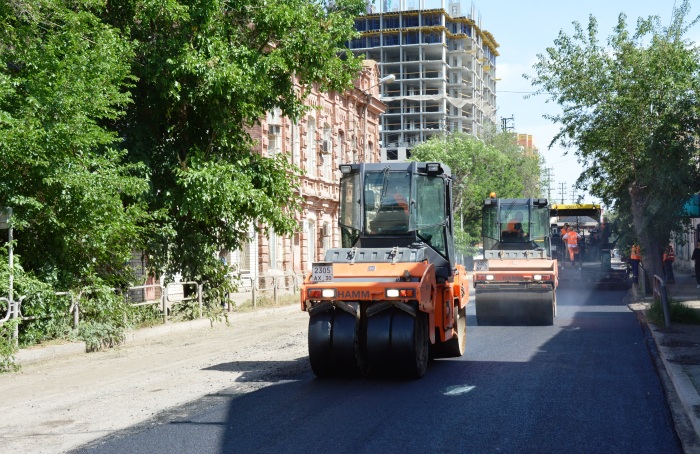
(678, 311)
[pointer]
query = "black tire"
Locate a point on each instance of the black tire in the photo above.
(453, 348)
(413, 351)
(398, 343)
(333, 343)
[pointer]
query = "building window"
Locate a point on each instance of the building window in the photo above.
(310, 242)
(274, 117)
(296, 149)
(272, 250)
(311, 151)
(342, 149)
(245, 258)
(327, 236)
(273, 140)
(326, 152)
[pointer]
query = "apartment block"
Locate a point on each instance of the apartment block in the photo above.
(444, 65)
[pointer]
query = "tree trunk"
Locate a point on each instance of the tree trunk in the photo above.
(650, 244)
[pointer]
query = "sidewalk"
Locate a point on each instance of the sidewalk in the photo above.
(679, 350)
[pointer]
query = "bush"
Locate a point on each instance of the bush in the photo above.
(105, 317)
(7, 347)
(52, 319)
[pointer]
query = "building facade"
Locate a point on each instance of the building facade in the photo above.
(445, 69)
(340, 128)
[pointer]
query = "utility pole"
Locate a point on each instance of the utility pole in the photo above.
(562, 191)
(547, 176)
(574, 196)
(508, 124)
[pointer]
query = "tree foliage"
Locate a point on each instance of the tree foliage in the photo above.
(478, 168)
(64, 77)
(207, 70)
(630, 109)
(124, 125)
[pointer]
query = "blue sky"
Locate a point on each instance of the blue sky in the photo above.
(524, 29)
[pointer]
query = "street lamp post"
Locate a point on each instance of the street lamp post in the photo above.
(388, 78)
(6, 223)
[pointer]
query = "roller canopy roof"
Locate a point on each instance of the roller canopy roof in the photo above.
(576, 209)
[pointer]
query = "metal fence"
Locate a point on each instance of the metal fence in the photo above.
(275, 285)
(168, 295)
(661, 293)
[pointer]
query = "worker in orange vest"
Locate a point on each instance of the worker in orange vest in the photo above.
(635, 258)
(571, 238)
(515, 225)
(669, 257)
(564, 229)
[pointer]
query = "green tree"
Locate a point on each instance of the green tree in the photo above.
(525, 164)
(478, 168)
(63, 80)
(207, 71)
(631, 111)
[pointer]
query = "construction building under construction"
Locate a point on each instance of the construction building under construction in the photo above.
(444, 65)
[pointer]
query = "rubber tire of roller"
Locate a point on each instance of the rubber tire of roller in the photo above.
(333, 349)
(397, 343)
(454, 347)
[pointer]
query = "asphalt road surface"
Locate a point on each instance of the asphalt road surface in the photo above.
(585, 385)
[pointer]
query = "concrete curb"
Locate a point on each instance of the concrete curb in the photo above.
(35, 355)
(679, 377)
(49, 352)
(167, 328)
(687, 393)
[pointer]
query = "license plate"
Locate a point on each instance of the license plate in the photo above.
(321, 272)
(481, 265)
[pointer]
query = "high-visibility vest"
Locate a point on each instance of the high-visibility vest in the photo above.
(635, 253)
(401, 201)
(512, 226)
(571, 237)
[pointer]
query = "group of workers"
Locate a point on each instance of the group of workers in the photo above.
(668, 257)
(571, 238)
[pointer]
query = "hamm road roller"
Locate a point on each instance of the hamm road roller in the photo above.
(392, 296)
(515, 283)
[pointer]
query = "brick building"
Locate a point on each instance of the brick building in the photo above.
(342, 127)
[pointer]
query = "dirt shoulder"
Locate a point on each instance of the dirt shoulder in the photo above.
(57, 405)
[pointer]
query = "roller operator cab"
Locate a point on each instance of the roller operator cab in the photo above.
(516, 281)
(391, 296)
